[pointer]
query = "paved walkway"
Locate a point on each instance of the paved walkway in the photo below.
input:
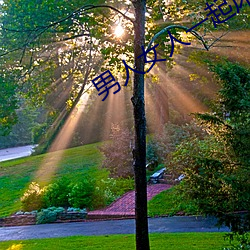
(125, 206)
(156, 225)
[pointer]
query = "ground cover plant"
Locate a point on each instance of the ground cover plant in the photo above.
(170, 241)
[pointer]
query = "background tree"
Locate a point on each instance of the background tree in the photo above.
(8, 105)
(118, 155)
(216, 168)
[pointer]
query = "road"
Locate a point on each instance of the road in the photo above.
(14, 153)
(156, 225)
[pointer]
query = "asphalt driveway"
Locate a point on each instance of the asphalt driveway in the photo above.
(156, 225)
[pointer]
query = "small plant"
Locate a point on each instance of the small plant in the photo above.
(76, 210)
(48, 215)
(33, 197)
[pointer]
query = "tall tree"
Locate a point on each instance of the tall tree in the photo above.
(139, 151)
(217, 167)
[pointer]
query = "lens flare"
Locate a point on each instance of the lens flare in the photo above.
(119, 31)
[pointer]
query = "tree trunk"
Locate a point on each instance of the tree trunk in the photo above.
(139, 151)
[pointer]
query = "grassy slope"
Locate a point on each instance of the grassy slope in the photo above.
(16, 175)
(169, 203)
(173, 241)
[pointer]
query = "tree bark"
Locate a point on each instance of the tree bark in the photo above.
(139, 151)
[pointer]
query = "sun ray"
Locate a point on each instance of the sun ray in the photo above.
(51, 162)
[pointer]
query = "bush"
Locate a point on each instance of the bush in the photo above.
(48, 215)
(78, 210)
(109, 189)
(243, 242)
(123, 185)
(103, 194)
(81, 194)
(33, 197)
(57, 193)
(152, 155)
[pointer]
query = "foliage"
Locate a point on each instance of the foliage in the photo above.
(73, 209)
(22, 132)
(118, 156)
(152, 156)
(81, 194)
(93, 192)
(108, 190)
(103, 193)
(57, 193)
(216, 168)
(166, 141)
(38, 131)
(204, 174)
(33, 197)
(243, 242)
(48, 215)
(8, 105)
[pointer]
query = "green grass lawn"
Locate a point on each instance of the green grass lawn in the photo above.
(170, 241)
(169, 202)
(16, 175)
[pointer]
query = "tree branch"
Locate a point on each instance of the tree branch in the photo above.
(42, 29)
(194, 33)
(76, 12)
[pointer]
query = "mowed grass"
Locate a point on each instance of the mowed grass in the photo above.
(169, 202)
(16, 175)
(170, 241)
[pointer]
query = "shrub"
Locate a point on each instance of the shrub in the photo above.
(57, 193)
(33, 197)
(123, 185)
(109, 189)
(73, 209)
(48, 215)
(243, 242)
(152, 155)
(81, 194)
(103, 195)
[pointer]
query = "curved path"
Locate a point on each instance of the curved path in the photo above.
(17, 152)
(156, 225)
